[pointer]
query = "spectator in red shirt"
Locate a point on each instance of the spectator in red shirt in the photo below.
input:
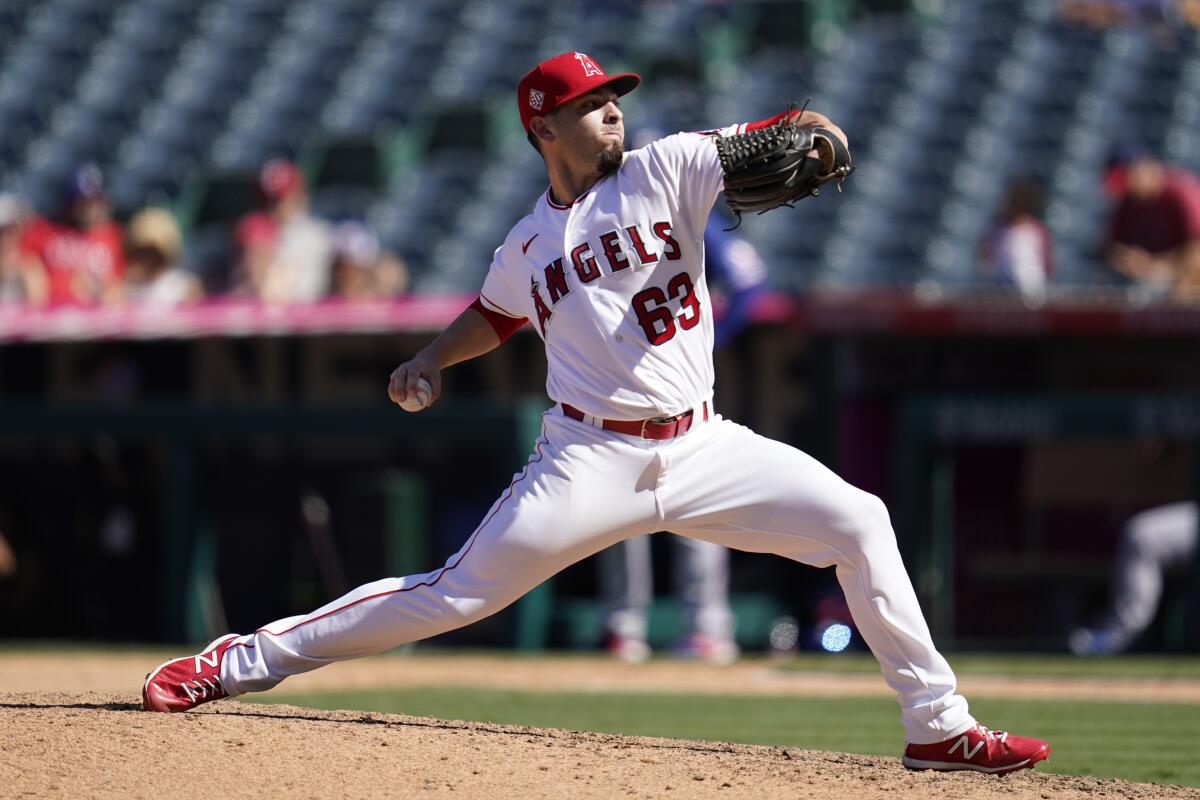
(1154, 232)
(79, 253)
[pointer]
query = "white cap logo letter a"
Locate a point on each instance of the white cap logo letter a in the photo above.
(589, 66)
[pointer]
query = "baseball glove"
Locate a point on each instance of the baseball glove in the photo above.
(770, 167)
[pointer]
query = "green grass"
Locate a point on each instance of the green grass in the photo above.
(1137, 741)
(1159, 667)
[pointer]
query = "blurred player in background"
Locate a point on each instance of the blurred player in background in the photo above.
(80, 251)
(738, 274)
(699, 569)
(1153, 545)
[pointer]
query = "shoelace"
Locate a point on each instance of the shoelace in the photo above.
(203, 689)
(993, 734)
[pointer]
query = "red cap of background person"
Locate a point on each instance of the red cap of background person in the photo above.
(280, 178)
(561, 79)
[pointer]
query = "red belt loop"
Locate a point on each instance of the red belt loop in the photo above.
(658, 429)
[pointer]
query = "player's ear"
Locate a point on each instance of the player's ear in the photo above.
(541, 129)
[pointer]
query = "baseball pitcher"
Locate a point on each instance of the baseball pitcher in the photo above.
(608, 268)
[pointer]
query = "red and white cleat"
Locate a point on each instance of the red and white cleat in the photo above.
(979, 749)
(181, 684)
(628, 649)
(719, 652)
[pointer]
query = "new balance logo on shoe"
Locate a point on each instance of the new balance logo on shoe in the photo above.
(210, 660)
(968, 751)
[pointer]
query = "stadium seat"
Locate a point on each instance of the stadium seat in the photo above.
(939, 113)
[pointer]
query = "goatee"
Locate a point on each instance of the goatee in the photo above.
(610, 161)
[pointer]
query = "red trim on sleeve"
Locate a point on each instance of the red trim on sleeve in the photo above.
(766, 123)
(503, 326)
(746, 127)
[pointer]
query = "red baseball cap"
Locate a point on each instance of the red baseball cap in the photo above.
(561, 79)
(280, 178)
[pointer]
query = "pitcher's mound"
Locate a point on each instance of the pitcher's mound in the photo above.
(95, 745)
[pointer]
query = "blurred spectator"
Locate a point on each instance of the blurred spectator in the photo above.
(1017, 250)
(1188, 12)
(1154, 232)
(1115, 13)
(79, 253)
(153, 276)
(362, 268)
(286, 252)
(21, 281)
(1153, 544)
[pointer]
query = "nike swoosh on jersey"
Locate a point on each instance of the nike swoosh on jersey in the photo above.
(525, 247)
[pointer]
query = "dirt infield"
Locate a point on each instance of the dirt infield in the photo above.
(97, 745)
(94, 742)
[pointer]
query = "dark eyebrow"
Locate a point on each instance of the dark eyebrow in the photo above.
(602, 97)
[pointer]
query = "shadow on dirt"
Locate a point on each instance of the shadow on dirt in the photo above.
(83, 706)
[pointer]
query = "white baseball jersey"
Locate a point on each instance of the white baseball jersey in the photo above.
(614, 283)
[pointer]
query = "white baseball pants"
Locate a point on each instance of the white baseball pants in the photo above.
(585, 489)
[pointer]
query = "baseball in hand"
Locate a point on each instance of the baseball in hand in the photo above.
(417, 401)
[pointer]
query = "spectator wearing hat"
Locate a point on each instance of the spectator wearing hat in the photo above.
(362, 268)
(21, 281)
(79, 253)
(153, 276)
(286, 253)
(1154, 232)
